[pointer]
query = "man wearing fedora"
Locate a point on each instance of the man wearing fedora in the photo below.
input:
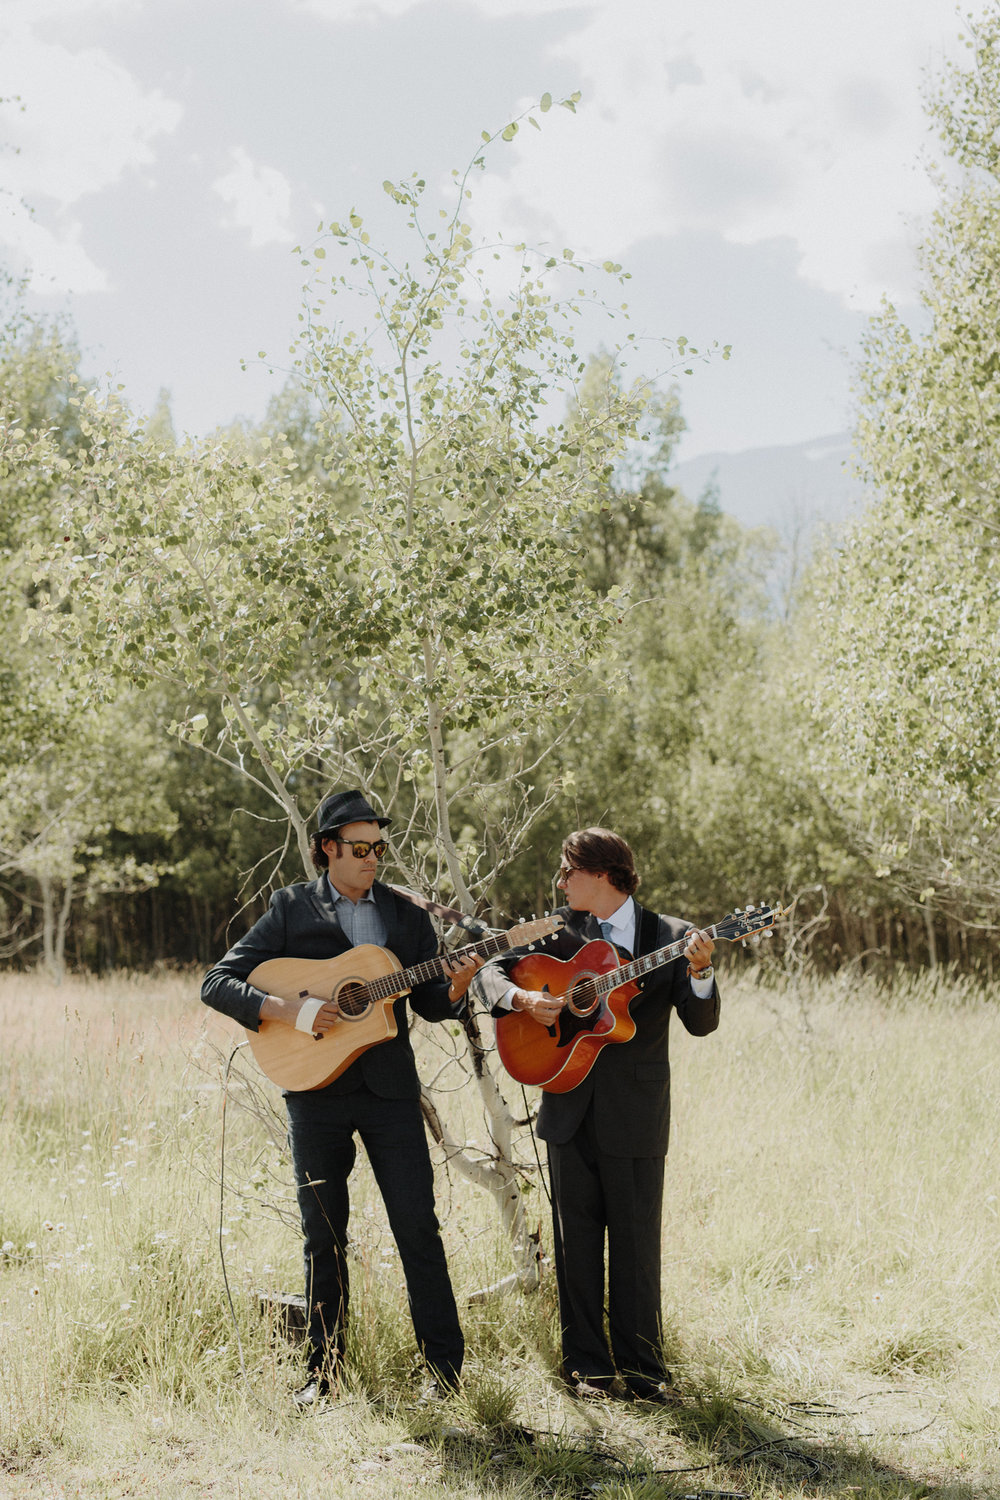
(377, 1097)
(607, 1137)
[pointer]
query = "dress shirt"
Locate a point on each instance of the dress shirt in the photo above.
(360, 920)
(620, 926)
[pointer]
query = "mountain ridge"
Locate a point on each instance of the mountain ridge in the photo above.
(810, 483)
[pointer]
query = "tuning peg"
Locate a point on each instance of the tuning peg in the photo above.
(751, 907)
(737, 911)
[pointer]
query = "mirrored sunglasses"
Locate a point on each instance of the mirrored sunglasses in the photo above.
(361, 850)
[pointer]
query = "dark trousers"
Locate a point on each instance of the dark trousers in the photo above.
(321, 1133)
(618, 1199)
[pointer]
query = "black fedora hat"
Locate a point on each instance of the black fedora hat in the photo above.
(347, 807)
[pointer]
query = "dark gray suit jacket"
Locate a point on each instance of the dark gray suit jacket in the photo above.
(629, 1083)
(301, 922)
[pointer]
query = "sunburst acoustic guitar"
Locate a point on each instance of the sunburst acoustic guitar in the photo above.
(365, 981)
(598, 988)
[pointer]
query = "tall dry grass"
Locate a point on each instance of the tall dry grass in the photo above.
(832, 1290)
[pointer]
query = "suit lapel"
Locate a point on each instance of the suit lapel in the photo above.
(319, 895)
(386, 903)
(591, 928)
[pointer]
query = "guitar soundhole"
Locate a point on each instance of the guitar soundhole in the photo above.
(583, 997)
(352, 997)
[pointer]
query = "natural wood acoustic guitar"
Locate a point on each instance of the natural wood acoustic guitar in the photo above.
(598, 988)
(365, 981)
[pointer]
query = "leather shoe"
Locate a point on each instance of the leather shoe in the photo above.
(316, 1390)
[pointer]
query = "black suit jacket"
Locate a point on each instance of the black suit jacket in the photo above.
(301, 922)
(628, 1086)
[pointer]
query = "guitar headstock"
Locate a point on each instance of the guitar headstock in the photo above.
(530, 932)
(744, 923)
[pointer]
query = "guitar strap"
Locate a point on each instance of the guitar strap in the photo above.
(447, 912)
(647, 932)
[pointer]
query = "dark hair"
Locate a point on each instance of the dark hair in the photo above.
(601, 852)
(316, 851)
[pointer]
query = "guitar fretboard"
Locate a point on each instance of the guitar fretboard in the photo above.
(605, 983)
(386, 986)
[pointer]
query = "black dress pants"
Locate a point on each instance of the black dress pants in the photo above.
(322, 1127)
(617, 1200)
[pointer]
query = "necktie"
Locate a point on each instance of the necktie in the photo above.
(605, 927)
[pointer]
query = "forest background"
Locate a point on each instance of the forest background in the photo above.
(448, 567)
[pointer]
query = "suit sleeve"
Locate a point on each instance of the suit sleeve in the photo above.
(430, 999)
(493, 980)
(699, 1016)
(225, 987)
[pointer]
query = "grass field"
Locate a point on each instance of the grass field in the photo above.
(831, 1269)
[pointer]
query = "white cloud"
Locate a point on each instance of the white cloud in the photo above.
(72, 124)
(54, 263)
(260, 200)
(83, 119)
(756, 122)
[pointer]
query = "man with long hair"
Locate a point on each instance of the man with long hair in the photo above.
(607, 1137)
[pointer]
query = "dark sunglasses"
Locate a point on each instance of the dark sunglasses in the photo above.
(361, 850)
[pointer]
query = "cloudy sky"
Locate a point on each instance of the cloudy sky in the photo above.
(758, 167)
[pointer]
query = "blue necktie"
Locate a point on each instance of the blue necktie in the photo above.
(605, 927)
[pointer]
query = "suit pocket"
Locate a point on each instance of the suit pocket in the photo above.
(652, 1072)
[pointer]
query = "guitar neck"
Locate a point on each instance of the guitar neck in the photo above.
(645, 965)
(398, 982)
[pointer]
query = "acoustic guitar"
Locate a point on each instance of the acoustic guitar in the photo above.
(598, 988)
(365, 981)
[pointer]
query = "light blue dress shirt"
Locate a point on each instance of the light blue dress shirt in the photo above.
(361, 920)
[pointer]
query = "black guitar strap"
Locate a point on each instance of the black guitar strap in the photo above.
(647, 932)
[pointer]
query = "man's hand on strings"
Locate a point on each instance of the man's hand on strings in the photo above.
(539, 1005)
